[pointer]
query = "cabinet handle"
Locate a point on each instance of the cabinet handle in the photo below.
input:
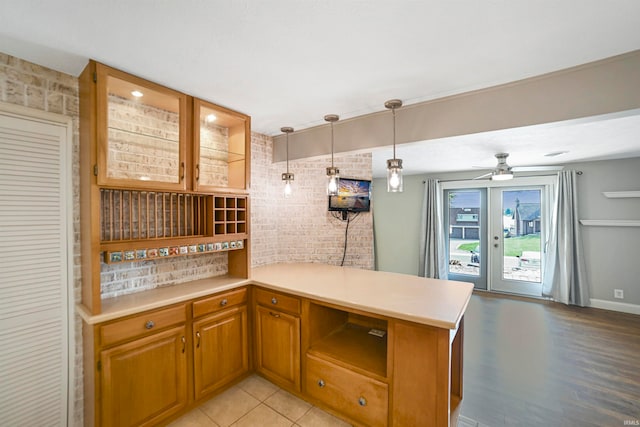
(274, 314)
(184, 345)
(274, 300)
(198, 172)
(181, 171)
(198, 339)
(223, 302)
(321, 383)
(150, 324)
(362, 401)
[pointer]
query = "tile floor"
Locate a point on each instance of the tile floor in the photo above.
(255, 402)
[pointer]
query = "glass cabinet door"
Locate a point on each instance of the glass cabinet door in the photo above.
(221, 147)
(141, 132)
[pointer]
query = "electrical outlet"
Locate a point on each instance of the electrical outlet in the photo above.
(618, 293)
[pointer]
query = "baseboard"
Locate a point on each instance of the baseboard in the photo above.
(615, 306)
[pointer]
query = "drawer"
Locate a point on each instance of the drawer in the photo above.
(142, 324)
(219, 302)
(277, 300)
(363, 399)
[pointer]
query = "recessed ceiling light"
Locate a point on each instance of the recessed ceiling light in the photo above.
(556, 153)
(137, 93)
(211, 118)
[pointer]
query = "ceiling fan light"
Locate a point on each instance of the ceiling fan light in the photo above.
(501, 175)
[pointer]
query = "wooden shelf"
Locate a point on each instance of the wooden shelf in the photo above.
(610, 222)
(353, 346)
(621, 194)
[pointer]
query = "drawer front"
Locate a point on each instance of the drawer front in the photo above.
(361, 398)
(142, 324)
(219, 302)
(277, 300)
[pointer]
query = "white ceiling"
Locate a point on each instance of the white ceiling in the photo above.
(288, 63)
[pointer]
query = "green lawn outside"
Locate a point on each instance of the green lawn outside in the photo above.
(514, 246)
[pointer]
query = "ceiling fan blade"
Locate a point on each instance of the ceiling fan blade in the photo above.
(536, 168)
(483, 176)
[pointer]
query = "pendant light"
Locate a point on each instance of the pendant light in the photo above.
(333, 173)
(287, 177)
(394, 166)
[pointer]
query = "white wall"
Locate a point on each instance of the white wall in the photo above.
(612, 254)
(397, 225)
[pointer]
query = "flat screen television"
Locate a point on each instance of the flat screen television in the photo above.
(354, 195)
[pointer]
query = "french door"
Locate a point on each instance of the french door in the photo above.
(519, 223)
(496, 233)
(466, 230)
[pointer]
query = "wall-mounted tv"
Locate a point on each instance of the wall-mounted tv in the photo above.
(354, 195)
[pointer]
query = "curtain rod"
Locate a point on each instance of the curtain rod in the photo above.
(519, 176)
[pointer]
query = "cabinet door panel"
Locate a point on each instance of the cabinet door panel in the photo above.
(220, 349)
(141, 132)
(278, 347)
(145, 380)
(221, 149)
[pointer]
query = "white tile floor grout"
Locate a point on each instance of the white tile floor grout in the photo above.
(256, 402)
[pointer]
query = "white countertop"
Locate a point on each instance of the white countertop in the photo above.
(434, 302)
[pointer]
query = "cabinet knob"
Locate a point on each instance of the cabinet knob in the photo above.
(362, 401)
(274, 314)
(274, 300)
(223, 302)
(150, 324)
(321, 383)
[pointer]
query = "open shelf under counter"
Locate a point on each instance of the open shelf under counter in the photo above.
(353, 346)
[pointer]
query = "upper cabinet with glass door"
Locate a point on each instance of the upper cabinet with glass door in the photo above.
(141, 132)
(221, 148)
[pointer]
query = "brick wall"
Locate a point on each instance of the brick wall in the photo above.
(299, 228)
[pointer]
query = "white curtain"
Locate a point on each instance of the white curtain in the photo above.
(565, 278)
(433, 261)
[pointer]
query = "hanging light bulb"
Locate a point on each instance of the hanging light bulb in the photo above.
(287, 177)
(394, 166)
(333, 173)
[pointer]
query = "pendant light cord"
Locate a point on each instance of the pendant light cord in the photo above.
(393, 110)
(287, 153)
(331, 144)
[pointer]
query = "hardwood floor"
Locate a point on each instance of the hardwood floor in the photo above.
(535, 363)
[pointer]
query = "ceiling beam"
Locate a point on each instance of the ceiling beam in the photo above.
(607, 86)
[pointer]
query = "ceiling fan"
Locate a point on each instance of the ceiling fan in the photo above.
(503, 171)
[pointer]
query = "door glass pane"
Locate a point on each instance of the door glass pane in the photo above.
(464, 232)
(143, 133)
(521, 225)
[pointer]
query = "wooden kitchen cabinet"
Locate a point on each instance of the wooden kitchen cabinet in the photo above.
(220, 342)
(158, 178)
(145, 380)
(277, 338)
(141, 131)
(221, 145)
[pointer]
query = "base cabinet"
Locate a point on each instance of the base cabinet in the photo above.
(144, 381)
(278, 347)
(220, 351)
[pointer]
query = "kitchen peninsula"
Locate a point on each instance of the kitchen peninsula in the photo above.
(375, 348)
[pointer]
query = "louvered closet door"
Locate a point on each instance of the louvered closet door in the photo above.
(34, 367)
